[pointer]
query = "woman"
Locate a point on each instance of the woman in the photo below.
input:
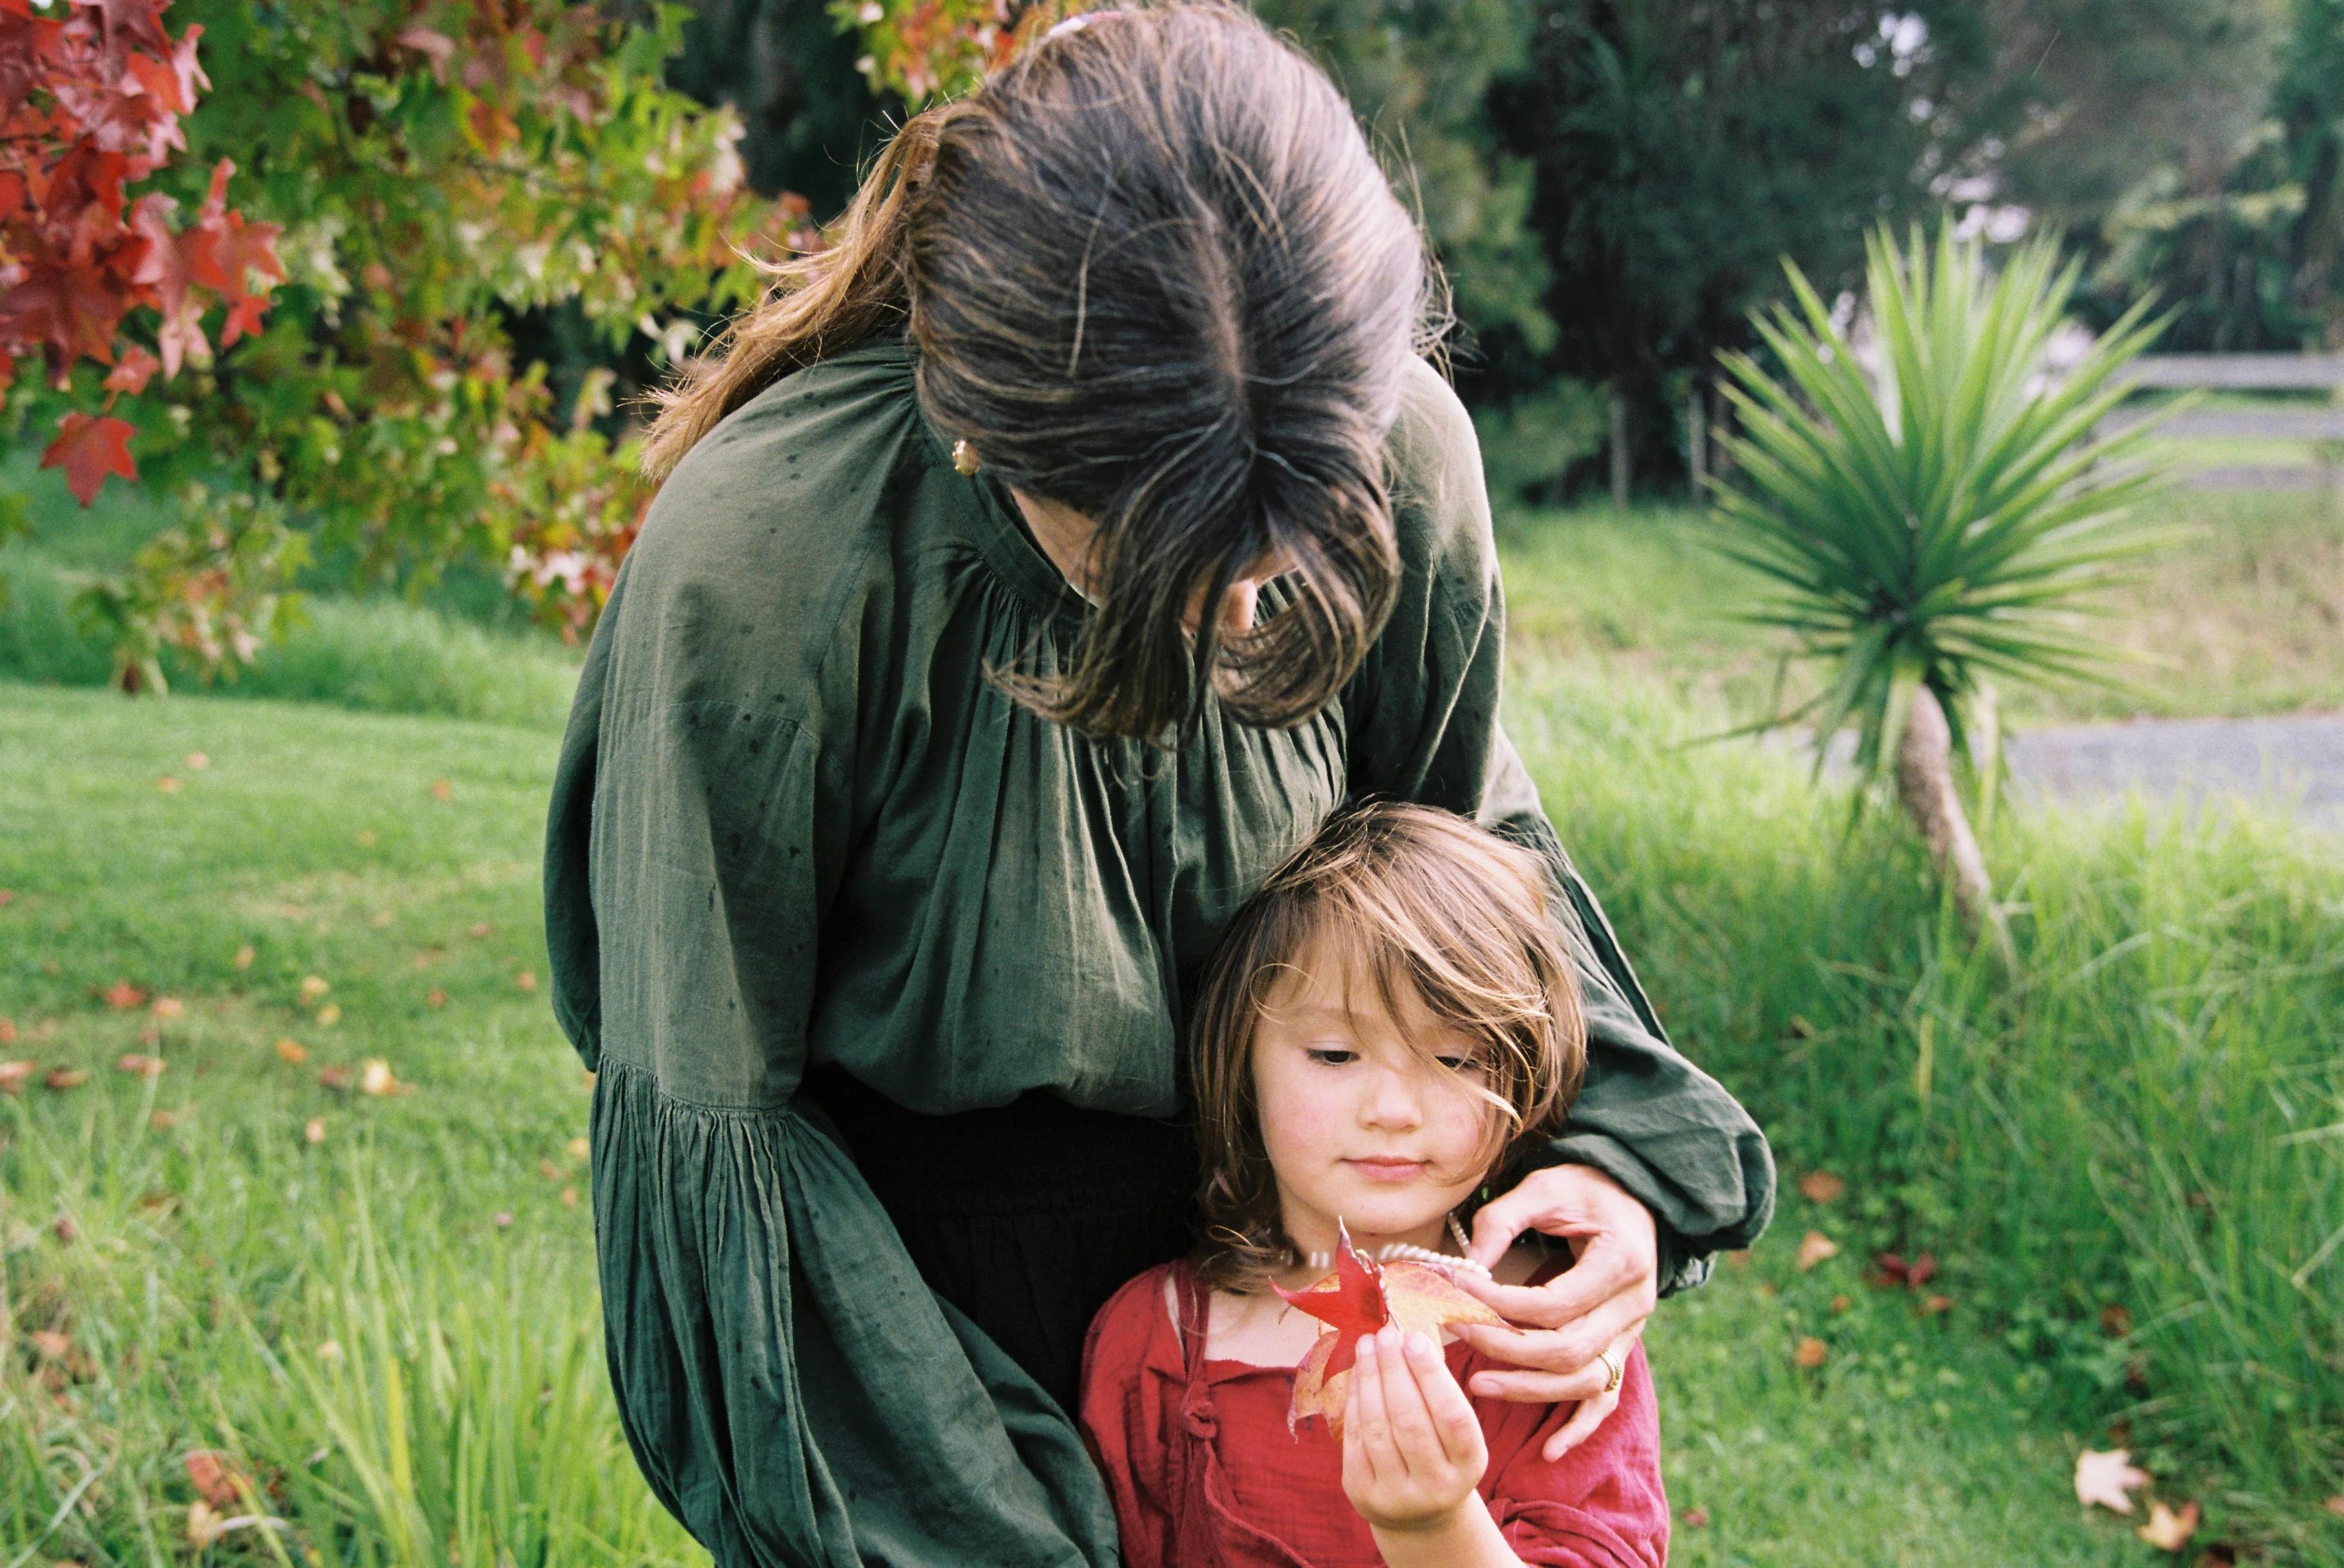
(1040, 565)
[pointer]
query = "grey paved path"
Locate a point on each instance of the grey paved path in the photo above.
(2297, 761)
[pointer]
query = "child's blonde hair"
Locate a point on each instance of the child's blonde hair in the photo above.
(1426, 902)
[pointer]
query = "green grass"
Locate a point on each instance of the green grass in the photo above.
(2143, 1125)
(462, 650)
(2246, 616)
(394, 1328)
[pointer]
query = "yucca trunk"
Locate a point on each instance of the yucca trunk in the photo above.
(1925, 783)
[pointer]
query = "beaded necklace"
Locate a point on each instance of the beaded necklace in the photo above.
(1398, 1251)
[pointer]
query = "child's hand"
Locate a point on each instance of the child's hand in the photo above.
(1412, 1448)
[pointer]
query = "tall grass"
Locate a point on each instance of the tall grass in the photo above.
(2144, 1133)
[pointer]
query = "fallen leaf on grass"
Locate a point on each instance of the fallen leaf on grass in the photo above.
(429, 956)
(167, 1007)
(1936, 1305)
(548, 1169)
(375, 1078)
(1820, 1187)
(315, 1132)
(205, 1525)
(441, 789)
(64, 1228)
(2108, 1480)
(2114, 1321)
(526, 979)
(329, 1015)
(334, 1078)
(501, 1219)
(243, 959)
(569, 1198)
(1696, 1518)
(214, 1476)
(579, 1148)
(312, 987)
(167, 784)
(63, 1078)
(2166, 1530)
(1814, 1248)
(141, 1066)
(292, 1050)
(7, 1031)
(435, 998)
(1840, 1304)
(1894, 1269)
(197, 762)
(1812, 1353)
(364, 838)
(481, 929)
(122, 994)
(165, 1120)
(380, 918)
(7, 897)
(2335, 1505)
(12, 1076)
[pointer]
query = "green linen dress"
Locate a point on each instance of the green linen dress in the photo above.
(795, 823)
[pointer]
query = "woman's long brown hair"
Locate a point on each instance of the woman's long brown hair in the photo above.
(1150, 271)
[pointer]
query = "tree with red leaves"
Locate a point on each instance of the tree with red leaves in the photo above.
(90, 101)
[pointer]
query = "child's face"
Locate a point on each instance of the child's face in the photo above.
(1356, 1124)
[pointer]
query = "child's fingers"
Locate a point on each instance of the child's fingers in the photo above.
(1459, 1430)
(1368, 1417)
(1414, 1438)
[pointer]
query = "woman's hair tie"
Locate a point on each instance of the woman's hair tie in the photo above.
(1074, 23)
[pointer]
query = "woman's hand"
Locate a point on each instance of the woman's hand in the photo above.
(1570, 1323)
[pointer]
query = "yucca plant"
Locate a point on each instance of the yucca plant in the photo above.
(1941, 523)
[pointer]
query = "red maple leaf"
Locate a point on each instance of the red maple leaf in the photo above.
(136, 369)
(68, 311)
(1356, 1299)
(139, 20)
(88, 448)
(1350, 1302)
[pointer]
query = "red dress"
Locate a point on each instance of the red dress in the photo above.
(1205, 1475)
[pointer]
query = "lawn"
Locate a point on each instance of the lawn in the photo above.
(2243, 614)
(379, 1305)
(2124, 1164)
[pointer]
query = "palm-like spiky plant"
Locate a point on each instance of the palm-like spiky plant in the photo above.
(1941, 522)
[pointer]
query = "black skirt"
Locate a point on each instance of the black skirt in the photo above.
(1027, 1217)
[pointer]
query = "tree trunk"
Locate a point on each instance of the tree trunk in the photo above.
(1925, 784)
(1618, 447)
(1697, 438)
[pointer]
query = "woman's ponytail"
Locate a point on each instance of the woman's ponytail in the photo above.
(818, 303)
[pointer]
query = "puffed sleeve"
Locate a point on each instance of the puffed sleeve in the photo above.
(1423, 717)
(791, 1388)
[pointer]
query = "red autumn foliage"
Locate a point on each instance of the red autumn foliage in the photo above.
(90, 100)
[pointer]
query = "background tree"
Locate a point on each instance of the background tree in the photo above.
(1683, 148)
(442, 173)
(2243, 231)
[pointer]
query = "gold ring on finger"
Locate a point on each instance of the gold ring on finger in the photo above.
(1616, 1366)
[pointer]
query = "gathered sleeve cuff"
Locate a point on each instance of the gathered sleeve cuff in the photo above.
(1422, 718)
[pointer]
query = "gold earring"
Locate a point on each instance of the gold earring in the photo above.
(965, 460)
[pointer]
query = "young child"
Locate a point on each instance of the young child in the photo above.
(1390, 1019)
